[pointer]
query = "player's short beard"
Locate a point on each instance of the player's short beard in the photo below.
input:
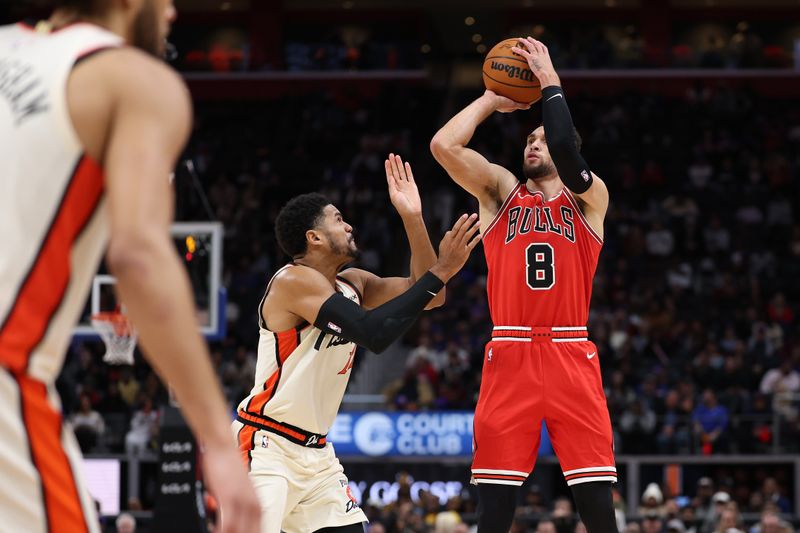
(537, 172)
(145, 29)
(342, 250)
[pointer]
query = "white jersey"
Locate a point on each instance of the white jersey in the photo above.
(301, 373)
(53, 228)
(52, 234)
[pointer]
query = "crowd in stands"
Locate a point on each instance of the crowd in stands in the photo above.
(572, 45)
(709, 510)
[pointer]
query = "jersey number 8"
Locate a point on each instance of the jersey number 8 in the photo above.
(541, 271)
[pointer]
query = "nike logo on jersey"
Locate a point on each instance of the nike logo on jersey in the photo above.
(431, 293)
(590, 355)
(559, 95)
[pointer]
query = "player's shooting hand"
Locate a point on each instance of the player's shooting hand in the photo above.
(402, 189)
(503, 104)
(239, 510)
(456, 245)
(538, 57)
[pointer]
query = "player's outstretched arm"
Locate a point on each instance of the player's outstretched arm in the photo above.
(149, 125)
(487, 182)
(307, 294)
(560, 134)
(405, 197)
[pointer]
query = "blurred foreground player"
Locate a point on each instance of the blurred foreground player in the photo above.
(542, 239)
(311, 318)
(91, 124)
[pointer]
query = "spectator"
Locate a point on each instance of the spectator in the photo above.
(782, 379)
(728, 521)
(637, 426)
(563, 516)
(772, 493)
(632, 527)
(128, 387)
(710, 423)
(144, 427)
(88, 425)
(545, 526)
(674, 435)
(660, 241)
(770, 522)
(533, 503)
(702, 501)
(675, 526)
(652, 522)
(126, 523)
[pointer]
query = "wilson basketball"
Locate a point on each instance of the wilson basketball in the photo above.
(507, 74)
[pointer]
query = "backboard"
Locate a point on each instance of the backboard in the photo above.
(199, 245)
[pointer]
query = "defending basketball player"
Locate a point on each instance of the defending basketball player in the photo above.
(91, 124)
(542, 239)
(311, 318)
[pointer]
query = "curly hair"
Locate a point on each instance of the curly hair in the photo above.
(299, 215)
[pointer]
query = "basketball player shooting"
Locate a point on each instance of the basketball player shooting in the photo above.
(91, 125)
(311, 318)
(542, 239)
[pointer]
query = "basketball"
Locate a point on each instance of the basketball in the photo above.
(507, 74)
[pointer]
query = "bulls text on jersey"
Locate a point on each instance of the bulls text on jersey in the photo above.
(522, 220)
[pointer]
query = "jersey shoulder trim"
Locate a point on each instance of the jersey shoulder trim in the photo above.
(585, 223)
(351, 286)
(502, 209)
(261, 322)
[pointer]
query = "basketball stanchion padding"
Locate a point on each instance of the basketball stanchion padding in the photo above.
(118, 334)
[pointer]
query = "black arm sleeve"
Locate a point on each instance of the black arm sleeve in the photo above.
(376, 329)
(560, 135)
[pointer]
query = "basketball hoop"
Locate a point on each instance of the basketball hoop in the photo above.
(118, 335)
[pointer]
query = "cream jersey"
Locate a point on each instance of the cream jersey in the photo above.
(301, 373)
(53, 228)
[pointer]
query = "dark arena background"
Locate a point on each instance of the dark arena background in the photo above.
(688, 110)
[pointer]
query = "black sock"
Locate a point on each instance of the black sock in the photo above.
(496, 506)
(596, 506)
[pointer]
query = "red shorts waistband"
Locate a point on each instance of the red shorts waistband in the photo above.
(540, 333)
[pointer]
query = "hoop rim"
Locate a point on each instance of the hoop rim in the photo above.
(110, 316)
(118, 321)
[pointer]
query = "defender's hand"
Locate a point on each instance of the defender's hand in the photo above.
(402, 189)
(503, 104)
(455, 247)
(227, 479)
(538, 57)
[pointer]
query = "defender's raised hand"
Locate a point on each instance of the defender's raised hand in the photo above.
(538, 57)
(402, 189)
(456, 245)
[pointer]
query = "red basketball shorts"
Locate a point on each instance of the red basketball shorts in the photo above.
(540, 374)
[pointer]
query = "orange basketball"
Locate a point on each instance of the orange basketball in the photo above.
(507, 74)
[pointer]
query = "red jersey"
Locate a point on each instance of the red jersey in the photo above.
(542, 256)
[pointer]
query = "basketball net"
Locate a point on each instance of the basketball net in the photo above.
(118, 335)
